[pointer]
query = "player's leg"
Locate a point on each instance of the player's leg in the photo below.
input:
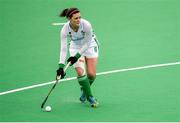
(83, 81)
(91, 58)
(90, 69)
(91, 73)
(81, 75)
(80, 70)
(91, 64)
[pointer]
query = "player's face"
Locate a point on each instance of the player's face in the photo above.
(75, 20)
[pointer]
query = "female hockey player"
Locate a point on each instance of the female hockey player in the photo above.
(83, 49)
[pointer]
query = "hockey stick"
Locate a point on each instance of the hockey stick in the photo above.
(57, 80)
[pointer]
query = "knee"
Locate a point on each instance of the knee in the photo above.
(80, 72)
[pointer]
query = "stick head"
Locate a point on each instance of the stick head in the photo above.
(42, 105)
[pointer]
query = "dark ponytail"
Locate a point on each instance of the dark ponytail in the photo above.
(64, 12)
(68, 13)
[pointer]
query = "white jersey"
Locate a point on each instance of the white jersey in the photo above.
(82, 39)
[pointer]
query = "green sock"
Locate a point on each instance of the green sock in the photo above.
(91, 80)
(84, 82)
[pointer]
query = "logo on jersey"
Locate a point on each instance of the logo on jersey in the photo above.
(78, 36)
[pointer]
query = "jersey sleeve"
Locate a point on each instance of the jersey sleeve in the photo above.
(63, 45)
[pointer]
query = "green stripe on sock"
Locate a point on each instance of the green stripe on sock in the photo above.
(82, 78)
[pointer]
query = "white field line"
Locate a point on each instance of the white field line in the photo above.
(139, 68)
(101, 73)
(57, 24)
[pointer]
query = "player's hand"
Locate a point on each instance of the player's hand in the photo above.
(60, 71)
(74, 59)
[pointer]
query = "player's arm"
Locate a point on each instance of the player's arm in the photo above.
(63, 53)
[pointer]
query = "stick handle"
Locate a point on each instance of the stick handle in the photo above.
(65, 68)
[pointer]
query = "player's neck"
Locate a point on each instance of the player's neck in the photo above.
(74, 27)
